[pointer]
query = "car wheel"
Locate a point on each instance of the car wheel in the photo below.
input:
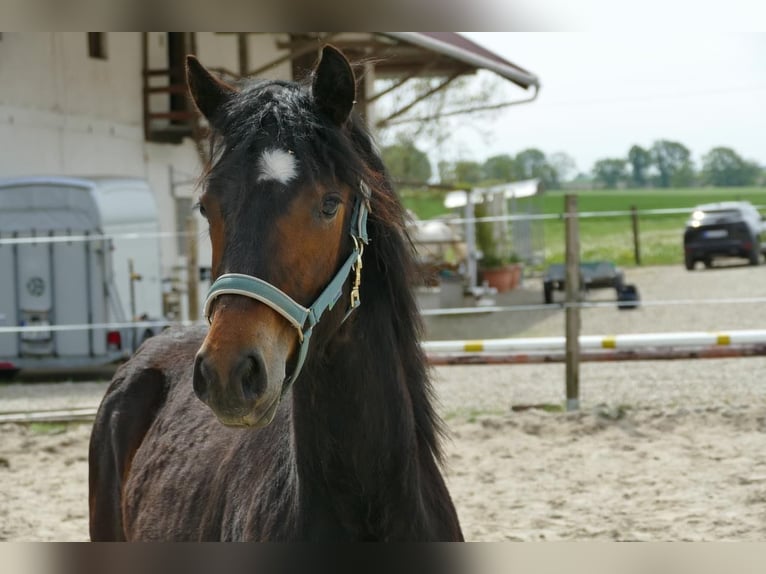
(708, 261)
(689, 261)
(754, 257)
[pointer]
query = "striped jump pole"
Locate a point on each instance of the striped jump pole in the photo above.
(628, 347)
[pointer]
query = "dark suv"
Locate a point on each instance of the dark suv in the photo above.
(726, 229)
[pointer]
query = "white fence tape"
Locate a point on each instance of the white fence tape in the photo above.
(92, 326)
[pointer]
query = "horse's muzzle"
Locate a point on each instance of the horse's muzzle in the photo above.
(240, 396)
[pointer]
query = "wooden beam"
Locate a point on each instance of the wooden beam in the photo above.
(296, 52)
(244, 64)
(572, 283)
(417, 100)
(414, 74)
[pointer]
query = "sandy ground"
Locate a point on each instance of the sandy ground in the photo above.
(659, 450)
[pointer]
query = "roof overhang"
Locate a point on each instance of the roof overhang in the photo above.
(461, 49)
(403, 56)
(447, 55)
(510, 190)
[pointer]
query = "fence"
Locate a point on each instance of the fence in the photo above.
(647, 346)
(573, 348)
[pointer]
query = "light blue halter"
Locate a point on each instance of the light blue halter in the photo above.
(303, 319)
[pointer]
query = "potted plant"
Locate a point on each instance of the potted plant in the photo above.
(499, 267)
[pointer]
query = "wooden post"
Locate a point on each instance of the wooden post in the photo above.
(472, 264)
(244, 59)
(636, 236)
(132, 288)
(192, 269)
(133, 277)
(572, 283)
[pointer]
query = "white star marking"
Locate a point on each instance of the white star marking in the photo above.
(277, 165)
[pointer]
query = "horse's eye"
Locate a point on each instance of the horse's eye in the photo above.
(330, 205)
(202, 210)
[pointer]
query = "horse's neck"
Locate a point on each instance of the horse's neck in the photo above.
(355, 408)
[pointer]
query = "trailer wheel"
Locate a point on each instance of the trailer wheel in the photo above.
(8, 374)
(548, 292)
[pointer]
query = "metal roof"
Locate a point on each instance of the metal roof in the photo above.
(401, 57)
(460, 48)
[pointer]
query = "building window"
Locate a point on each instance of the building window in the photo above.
(97, 45)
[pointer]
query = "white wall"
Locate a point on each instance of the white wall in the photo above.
(52, 72)
(64, 113)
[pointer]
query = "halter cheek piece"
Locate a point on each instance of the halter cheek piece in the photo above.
(304, 319)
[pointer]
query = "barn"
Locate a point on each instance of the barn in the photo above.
(114, 104)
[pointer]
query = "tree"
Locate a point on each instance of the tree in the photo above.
(467, 171)
(564, 165)
(460, 172)
(532, 163)
(673, 162)
(406, 162)
(432, 120)
(640, 159)
(722, 166)
(610, 171)
(446, 171)
(500, 168)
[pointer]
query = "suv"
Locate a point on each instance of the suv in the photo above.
(725, 229)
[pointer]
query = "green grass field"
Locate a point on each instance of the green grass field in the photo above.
(611, 238)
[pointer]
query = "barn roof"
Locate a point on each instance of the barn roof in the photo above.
(460, 49)
(402, 56)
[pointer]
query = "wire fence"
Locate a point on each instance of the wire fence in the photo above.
(755, 300)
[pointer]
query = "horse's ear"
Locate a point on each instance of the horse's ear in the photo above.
(334, 85)
(207, 91)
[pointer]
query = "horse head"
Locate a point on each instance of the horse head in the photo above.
(285, 201)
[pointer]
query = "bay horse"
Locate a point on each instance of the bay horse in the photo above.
(304, 412)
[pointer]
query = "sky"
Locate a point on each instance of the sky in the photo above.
(601, 93)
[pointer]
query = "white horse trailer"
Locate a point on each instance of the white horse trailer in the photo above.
(79, 262)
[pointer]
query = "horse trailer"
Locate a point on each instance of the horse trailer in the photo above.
(79, 265)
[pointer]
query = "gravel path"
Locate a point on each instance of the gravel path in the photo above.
(664, 450)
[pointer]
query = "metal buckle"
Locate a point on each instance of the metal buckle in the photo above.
(359, 247)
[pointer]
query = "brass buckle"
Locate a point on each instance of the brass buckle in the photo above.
(359, 247)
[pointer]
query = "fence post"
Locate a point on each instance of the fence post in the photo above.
(636, 236)
(572, 283)
(192, 269)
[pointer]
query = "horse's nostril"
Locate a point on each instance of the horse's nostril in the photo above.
(200, 380)
(251, 373)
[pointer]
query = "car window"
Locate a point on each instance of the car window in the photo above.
(721, 214)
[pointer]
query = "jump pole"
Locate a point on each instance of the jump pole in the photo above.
(628, 347)
(626, 342)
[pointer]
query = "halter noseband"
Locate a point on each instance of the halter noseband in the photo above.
(304, 319)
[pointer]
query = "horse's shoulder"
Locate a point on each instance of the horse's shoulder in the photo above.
(138, 391)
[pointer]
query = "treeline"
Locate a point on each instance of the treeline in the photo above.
(663, 165)
(410, 165)
(669, 164)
